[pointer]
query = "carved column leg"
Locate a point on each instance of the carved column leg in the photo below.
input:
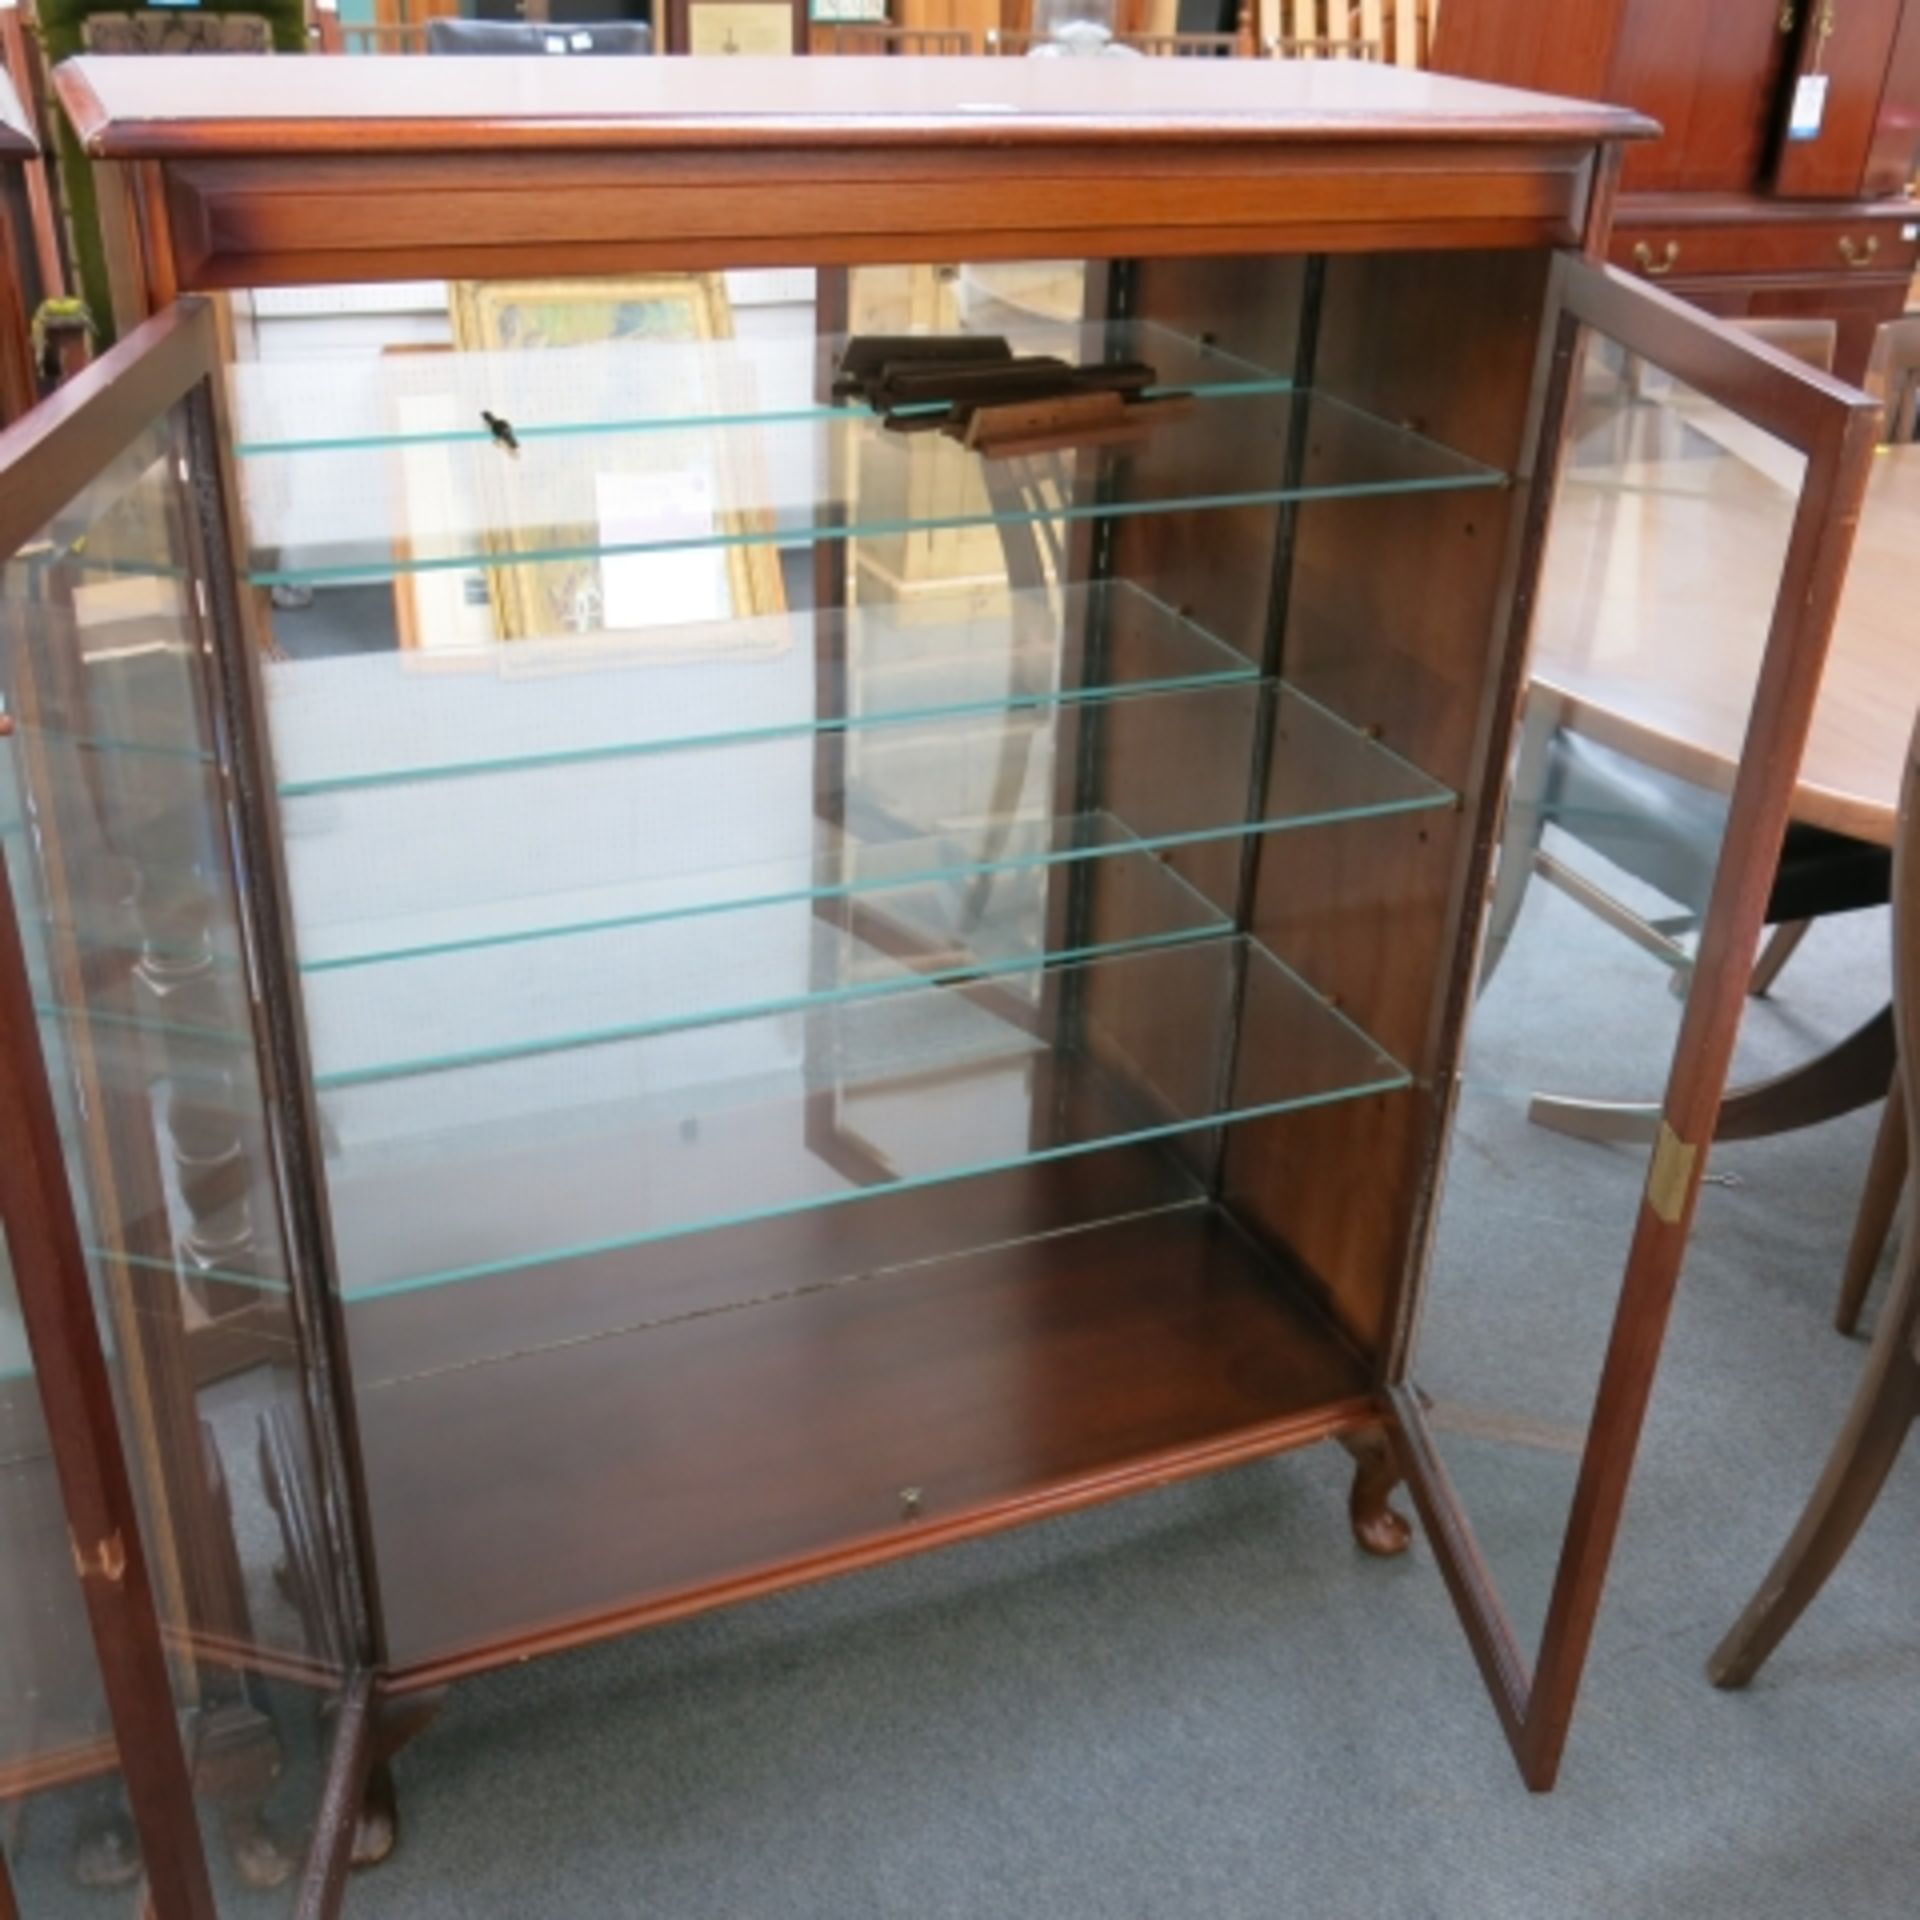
(1376, 1472)
(395, 1722)
(182, 993)
(304, 1577)
(237, 1750)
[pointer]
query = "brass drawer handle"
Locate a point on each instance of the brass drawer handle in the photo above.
(1859, 256)
(1652, 268)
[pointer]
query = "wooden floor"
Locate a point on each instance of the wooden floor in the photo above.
(526, 1504)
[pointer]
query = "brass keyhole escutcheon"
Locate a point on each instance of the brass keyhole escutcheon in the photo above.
(1655, 267)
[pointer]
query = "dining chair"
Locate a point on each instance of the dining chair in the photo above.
(1657, 828)
(1888, 1398)
(451, 35)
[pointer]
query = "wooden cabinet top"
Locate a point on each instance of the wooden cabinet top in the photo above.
(16, 136)
(173, 107)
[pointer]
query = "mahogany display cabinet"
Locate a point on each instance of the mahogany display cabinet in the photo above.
(747, 810)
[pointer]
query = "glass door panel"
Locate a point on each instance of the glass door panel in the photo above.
(1697, 528)
(133, 904)
(67, 1840)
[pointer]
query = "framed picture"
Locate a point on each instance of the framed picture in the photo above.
(737, 26)
(436, 610)
(572, 501)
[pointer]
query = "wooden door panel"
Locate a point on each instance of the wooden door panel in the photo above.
(1709, 71)
(1849, 43)
(1895, 148)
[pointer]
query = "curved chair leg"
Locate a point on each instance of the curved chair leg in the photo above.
(1782, 943)
(1883, 1409)
(1886, 1176)
(1844, 1078)
(1520, 833)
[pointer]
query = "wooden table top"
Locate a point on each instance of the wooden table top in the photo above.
(1654, 612)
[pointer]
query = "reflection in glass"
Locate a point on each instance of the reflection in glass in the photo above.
(1669, 532)
(123, 883)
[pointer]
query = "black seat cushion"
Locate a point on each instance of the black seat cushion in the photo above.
(1667, 832)
(1822, 873)
(537, 36)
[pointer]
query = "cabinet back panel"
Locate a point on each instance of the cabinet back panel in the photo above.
(1218, 567)
(1395, 622)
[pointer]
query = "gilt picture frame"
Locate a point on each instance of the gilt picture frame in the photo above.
(546, 597)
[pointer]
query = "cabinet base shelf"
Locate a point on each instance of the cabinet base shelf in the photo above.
(733, 1454)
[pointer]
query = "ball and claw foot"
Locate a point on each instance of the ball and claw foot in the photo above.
(1378, 1528)
(259, 1859)
(395, 1722)
(378, 1831)
(107, 1854)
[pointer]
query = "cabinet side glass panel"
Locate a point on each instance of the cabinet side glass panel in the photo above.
(123, 883)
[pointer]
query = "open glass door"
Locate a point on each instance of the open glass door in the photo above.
(1699, 518)
(155, 1258)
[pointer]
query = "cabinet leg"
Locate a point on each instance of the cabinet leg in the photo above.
(395, 1722)
(1376, 1472)
(237, 1759)
(106, 1850)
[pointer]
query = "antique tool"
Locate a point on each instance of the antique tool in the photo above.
(1092, 419)
(868, 356)
(976, 389)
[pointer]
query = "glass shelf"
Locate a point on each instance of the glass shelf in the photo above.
(638, 385)
(428, 869)
(132, 1052)
(565, 512)
(498, 1003)
(492, 1169)
(379, 719)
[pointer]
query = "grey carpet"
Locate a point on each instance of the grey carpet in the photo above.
(1207, 1702)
